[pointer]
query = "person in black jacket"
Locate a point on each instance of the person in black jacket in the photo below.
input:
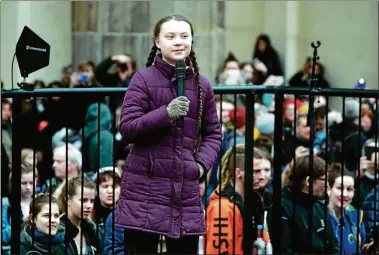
(346, 139)
(126, 66)
(81, 236)
(302, 78)
(302, 75)
(38, 235)
(296, 205)
(265, 52)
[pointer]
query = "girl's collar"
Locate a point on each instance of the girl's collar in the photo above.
(168, 70)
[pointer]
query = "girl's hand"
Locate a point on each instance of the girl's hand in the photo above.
(367, 246)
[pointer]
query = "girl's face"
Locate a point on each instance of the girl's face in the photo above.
(174, 41)
(75, 202)
(106, 193)
(262, 45)
(289, 113)
(27, 185)
(347, 192)
(44, 217)
(366, 123)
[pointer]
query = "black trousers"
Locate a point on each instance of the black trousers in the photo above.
(138, 242)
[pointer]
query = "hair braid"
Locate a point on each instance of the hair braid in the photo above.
(228, 164)
(152, 54)
(199, 91)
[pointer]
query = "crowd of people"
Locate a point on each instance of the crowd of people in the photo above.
(73, 158)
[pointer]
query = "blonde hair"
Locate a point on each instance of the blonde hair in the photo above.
(228, 164)
(25, 153)
(26, 168)
(286, 175)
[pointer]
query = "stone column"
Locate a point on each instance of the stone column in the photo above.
(291, 59)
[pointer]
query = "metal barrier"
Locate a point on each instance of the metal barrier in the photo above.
(250, 93)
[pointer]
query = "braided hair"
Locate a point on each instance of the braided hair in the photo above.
(199, 92)
(192, 58)
(152, 54)
(228, 164)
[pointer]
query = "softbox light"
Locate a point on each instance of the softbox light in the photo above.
(32, 52)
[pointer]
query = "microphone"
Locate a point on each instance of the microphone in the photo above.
(180, 71)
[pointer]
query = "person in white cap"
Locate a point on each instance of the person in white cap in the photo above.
(109, 182)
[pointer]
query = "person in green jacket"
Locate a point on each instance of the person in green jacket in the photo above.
(92, 130)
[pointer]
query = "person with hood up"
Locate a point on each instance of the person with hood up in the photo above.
(91, 133)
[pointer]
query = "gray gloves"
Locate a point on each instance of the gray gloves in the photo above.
(178, 108)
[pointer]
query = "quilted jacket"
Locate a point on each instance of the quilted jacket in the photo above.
(160, 186)
(371, 220)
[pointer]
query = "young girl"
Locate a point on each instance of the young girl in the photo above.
(175, 142)
(106, 202)
(79, 196)
(27, 187)
(41, 233)
(342, 214)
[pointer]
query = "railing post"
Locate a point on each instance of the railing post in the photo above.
(277, 196)
(15, 194)
(248, 204)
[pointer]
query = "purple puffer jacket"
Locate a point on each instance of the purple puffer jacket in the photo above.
(160, 186)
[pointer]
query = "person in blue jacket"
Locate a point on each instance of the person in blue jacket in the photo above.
(116, 245)
(346, 221)
(371, 216)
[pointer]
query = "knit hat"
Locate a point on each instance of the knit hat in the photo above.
(265, 123)
(259, 109)
(351, 109)
(291, 101)
(108, 169)
(303, 110)
(240, 117)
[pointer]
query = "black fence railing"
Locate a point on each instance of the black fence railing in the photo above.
(274, 146)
